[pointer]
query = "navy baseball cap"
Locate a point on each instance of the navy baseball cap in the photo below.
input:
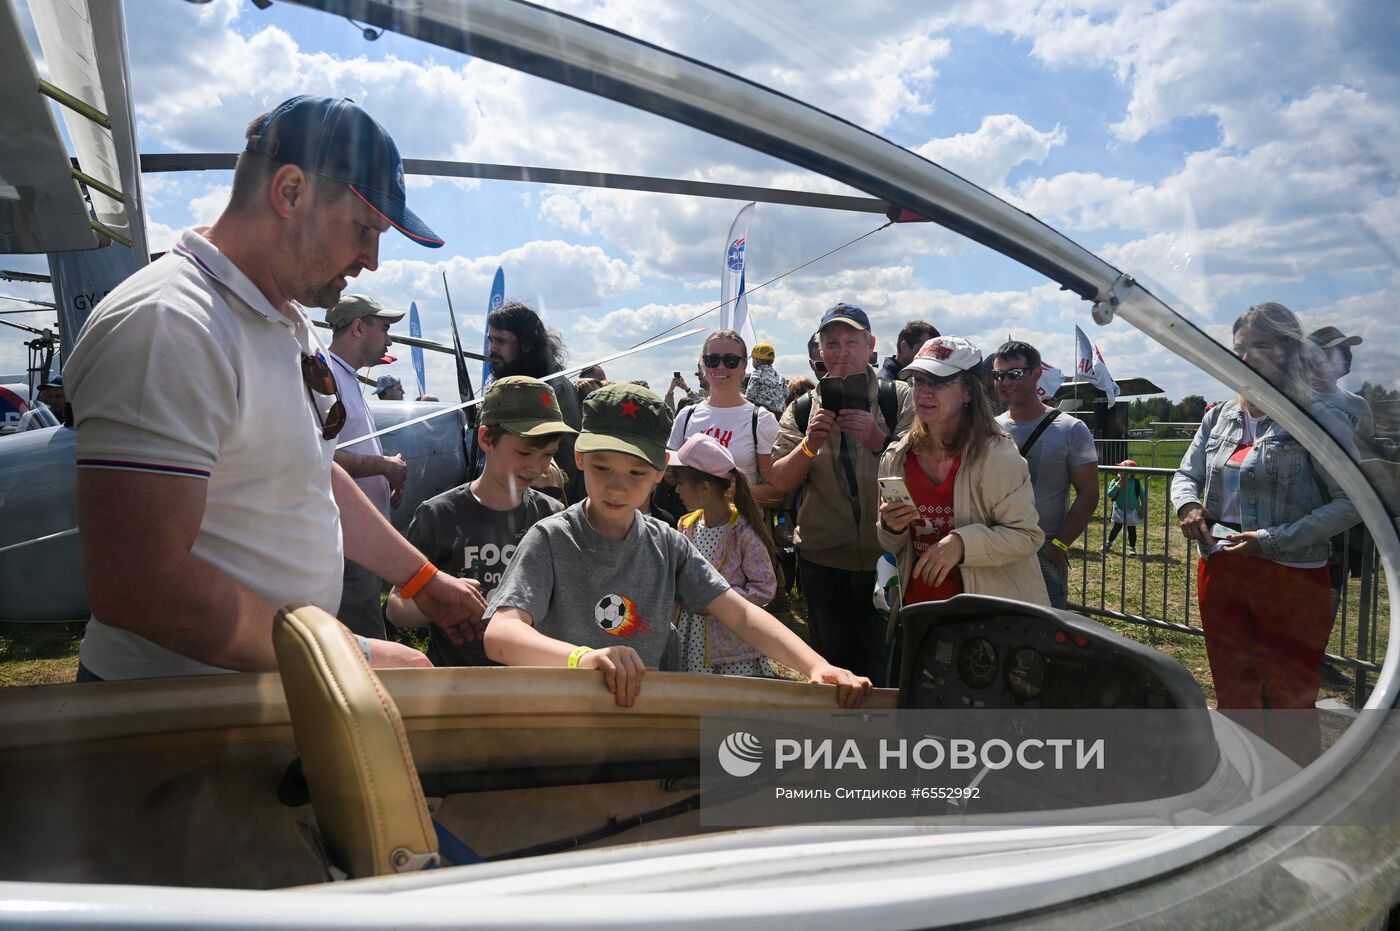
(848, 314)
(336, 139)
(54, 382)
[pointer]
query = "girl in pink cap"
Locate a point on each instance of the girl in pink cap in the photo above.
(735, 539)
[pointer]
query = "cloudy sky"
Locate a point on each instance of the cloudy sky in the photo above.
(1224, 153)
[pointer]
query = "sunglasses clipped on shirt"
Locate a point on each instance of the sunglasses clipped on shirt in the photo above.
(1013, 374)
(730, 360)
(319, 379)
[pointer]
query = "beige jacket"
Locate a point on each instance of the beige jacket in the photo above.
(994, 513)
(828, 531)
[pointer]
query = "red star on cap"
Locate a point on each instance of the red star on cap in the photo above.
(628, 409)
(544, 396)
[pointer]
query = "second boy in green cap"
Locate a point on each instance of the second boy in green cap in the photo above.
(595, 586)
(472, 530)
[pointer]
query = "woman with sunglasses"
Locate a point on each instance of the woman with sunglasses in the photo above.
(972, 526)
(1262, 512)
(747, 431)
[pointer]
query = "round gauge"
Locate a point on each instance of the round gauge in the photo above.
(1025, 673)
(977, 662)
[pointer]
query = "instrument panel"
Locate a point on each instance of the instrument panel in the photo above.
(978, 652)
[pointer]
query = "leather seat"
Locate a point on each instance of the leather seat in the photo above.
(354, 750)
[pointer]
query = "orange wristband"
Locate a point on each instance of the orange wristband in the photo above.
(413, 586)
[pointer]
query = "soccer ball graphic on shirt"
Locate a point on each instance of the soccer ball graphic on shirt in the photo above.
(617, 615)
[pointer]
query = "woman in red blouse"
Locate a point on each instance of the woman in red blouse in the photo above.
(973, 525)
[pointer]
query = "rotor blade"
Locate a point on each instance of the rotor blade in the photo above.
(42, 305)
(598, 179)
(464, 378)
(415, 341)
(566, 373)
(30, 277)
(28, 329)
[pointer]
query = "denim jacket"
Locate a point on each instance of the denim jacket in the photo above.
(1294, 504)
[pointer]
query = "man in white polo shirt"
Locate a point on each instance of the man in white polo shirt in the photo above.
(359, 339)
(207, 415)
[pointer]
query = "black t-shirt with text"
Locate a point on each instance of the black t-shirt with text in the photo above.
(461, 536)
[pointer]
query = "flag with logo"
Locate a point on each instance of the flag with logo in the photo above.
(493, 304)
(416, 330)
(734, 307)
(1089, 365)
(1051, 379)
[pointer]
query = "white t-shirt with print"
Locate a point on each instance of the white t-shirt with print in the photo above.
(733, 427)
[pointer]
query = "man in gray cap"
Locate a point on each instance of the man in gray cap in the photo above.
(207, 414)
(359, 339)
(47, 410)
(389, 388)
(1333, 363)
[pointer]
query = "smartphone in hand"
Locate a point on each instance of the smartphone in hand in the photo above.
(1220, 534)
(894, 491)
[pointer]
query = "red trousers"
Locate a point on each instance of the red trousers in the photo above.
(1266, 628)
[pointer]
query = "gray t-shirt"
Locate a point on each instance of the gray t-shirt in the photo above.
(463, 537)
(1354, 408)
(580, 587)
(1065, 444)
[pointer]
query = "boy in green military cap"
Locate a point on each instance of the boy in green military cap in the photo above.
(472, 531)
(595, 586)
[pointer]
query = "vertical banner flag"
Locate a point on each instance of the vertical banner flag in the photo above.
(734, 309)
(416, 330)
(1090, 365)
(1051, 379)
(498, 297)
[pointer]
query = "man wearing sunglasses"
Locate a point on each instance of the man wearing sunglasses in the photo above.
(835, 461)
(207, 417)
(1060, 454)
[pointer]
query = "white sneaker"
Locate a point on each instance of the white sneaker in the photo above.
(1132, 551)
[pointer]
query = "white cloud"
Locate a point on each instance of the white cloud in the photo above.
(986, 156)
(1298, 186)
(205, 208)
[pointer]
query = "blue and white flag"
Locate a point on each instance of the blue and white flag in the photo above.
(498, 297)
(415, 330)
(734, 307)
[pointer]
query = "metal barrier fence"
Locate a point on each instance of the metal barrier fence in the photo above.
(1113, 584)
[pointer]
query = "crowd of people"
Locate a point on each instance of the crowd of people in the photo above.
(608, 527)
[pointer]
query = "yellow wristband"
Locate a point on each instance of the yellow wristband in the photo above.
(806, 450)
(1060, 543)
(575, 656)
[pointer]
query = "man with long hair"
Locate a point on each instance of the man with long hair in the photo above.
(520, 344)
